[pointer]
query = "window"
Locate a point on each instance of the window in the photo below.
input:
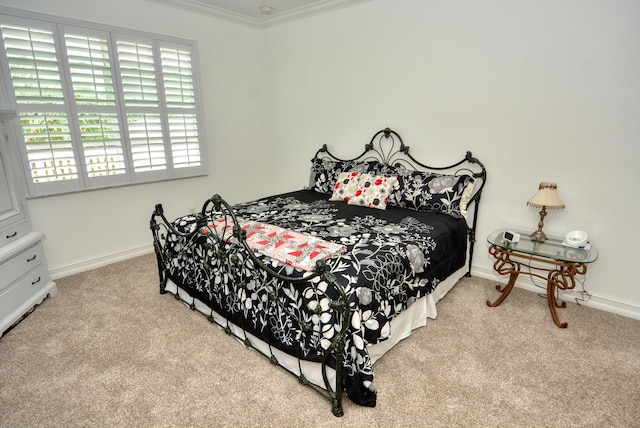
(99, 107)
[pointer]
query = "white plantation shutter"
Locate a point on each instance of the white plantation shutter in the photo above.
(178, 78)
(48, 145)
(147, 144)
(140, 92)
(102, 144)
(90, 69)
(161, 112)
(33, 63)
(180, 101)
(90, 66)
(34, 69)
(138, 73)
(183, 130)
(100, 108)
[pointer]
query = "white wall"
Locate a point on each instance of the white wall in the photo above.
(87, 229)
(538, 90)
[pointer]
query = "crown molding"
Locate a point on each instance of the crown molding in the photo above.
(269, 21)
(205, 9)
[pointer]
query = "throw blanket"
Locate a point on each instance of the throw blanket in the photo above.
(292, 248)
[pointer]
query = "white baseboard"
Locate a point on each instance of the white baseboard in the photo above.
(595, 301)
(97, 262)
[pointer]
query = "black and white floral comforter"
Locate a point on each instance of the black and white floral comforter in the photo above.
(393, 257)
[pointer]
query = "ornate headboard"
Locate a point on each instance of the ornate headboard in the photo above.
(386, 147)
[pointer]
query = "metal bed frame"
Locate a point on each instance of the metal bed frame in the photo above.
(231, 250)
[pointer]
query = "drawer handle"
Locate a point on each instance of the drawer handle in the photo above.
(36, 281)
(13, 235)
(32, 258)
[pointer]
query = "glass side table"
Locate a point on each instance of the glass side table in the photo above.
(556, 263)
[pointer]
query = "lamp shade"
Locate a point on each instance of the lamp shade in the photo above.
(546, 196)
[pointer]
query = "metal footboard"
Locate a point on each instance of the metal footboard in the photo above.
(325, 306)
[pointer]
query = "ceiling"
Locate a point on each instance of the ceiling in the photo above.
(250, 12)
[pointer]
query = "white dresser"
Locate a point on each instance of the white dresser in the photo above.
(24, 278)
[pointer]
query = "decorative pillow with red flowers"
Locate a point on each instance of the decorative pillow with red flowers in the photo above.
(373, 192)
(346, 185)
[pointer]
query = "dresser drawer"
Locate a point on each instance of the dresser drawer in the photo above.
(18, 292)
(13, 233)
(20, 264)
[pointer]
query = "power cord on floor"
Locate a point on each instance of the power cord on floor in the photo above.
(585, 296)
(534, 282)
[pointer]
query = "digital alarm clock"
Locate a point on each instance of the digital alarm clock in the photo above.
(510, 237)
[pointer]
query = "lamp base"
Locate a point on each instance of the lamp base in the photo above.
(538, 236)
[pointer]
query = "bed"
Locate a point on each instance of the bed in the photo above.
(324, 280)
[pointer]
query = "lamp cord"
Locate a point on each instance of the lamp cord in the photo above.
(584, 295)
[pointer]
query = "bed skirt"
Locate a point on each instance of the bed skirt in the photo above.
(413, 317)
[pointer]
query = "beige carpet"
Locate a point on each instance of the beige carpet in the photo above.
(110, 351)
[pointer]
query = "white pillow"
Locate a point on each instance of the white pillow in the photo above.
(466, 197)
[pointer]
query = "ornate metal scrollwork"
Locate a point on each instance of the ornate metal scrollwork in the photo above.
(559, 276)
(215, 243)
(387, 147)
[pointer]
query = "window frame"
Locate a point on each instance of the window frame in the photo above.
(62, 27)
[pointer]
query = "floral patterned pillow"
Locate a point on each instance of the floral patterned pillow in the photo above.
(391, 171)
(385, 169)
(374, 191)
(347, 185)
(426, 191)
(325, 172)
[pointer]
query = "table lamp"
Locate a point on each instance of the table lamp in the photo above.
(545, 198)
